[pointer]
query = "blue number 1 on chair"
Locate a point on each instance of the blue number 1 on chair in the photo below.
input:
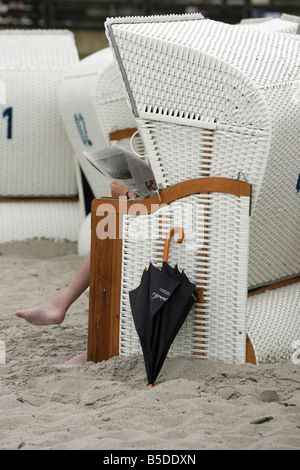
(8, 113)
(298, 184)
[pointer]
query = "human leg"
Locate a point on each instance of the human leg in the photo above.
(54, 311)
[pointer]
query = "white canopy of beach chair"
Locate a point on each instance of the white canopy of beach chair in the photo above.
(185, 87)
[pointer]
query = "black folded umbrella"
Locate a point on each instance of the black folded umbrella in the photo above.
(160, 305)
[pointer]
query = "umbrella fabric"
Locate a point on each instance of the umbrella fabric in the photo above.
(159, 305)
(146, 300)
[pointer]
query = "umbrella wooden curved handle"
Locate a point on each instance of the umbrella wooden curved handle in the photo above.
(178, 230)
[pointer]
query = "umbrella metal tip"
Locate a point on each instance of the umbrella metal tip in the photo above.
(150, 385)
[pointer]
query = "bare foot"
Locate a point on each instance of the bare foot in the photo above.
(80, 359)
(46, 314)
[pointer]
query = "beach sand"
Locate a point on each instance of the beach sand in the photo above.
(196, 404)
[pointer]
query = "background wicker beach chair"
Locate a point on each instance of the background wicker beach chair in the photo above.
(251, 20)
(287, 24)
(40, 184)
(210, 103)
(288, 17)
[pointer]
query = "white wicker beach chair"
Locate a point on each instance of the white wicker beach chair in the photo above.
(288, 17)
(255, 20)
(95, 112)
(39, 179)
(218, 100)
(275, 25)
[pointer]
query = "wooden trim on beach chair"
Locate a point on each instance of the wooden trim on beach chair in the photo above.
(122, 133)
(250, 354)
(276, 285)
(106, 257)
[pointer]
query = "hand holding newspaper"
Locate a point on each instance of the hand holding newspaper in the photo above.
(119, 164)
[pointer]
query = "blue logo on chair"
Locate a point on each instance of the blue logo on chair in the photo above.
(298, 184)
(81, 127)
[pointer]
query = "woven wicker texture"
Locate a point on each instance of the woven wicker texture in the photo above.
(274, 323)
(93, 105)
(28, 220)
(278, 25)
(191, 78)
(36, 158)
(2, 92)
(217, 327)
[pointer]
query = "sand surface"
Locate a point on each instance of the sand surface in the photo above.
(195, 404)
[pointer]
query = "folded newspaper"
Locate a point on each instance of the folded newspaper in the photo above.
(119, 164)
